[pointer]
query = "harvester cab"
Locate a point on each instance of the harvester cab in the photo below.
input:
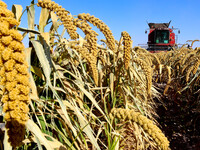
(161, 37)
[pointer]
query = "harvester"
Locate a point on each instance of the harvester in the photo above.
(161, 37)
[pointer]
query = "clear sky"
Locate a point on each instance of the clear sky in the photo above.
(132, 15)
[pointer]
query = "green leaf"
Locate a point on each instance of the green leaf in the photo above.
(45, 63)
(86, 127)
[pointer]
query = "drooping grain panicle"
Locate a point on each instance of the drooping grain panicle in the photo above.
(168, 69)
(89, 50)
(64, 16)
(188, 72)
(71, 25)
(196, 65)
(14, 77)
(194, 42)
(127, 48)
(90, 35)
(138, 49)
(103, 28)
(162, 56)
(2, 4)
(148, 125)
(187, 57)
(147, 71)
(190, 62)
(145, 57)
(155, 60)
(91, 59)
(178, 55)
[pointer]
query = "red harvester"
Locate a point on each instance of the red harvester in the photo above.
(161, 37)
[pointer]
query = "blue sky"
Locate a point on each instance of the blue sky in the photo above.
(131, 15)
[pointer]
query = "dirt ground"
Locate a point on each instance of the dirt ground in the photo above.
(180, 120)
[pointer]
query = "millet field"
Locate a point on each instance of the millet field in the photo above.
(85, 93)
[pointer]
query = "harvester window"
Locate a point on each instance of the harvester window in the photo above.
(162, 36)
